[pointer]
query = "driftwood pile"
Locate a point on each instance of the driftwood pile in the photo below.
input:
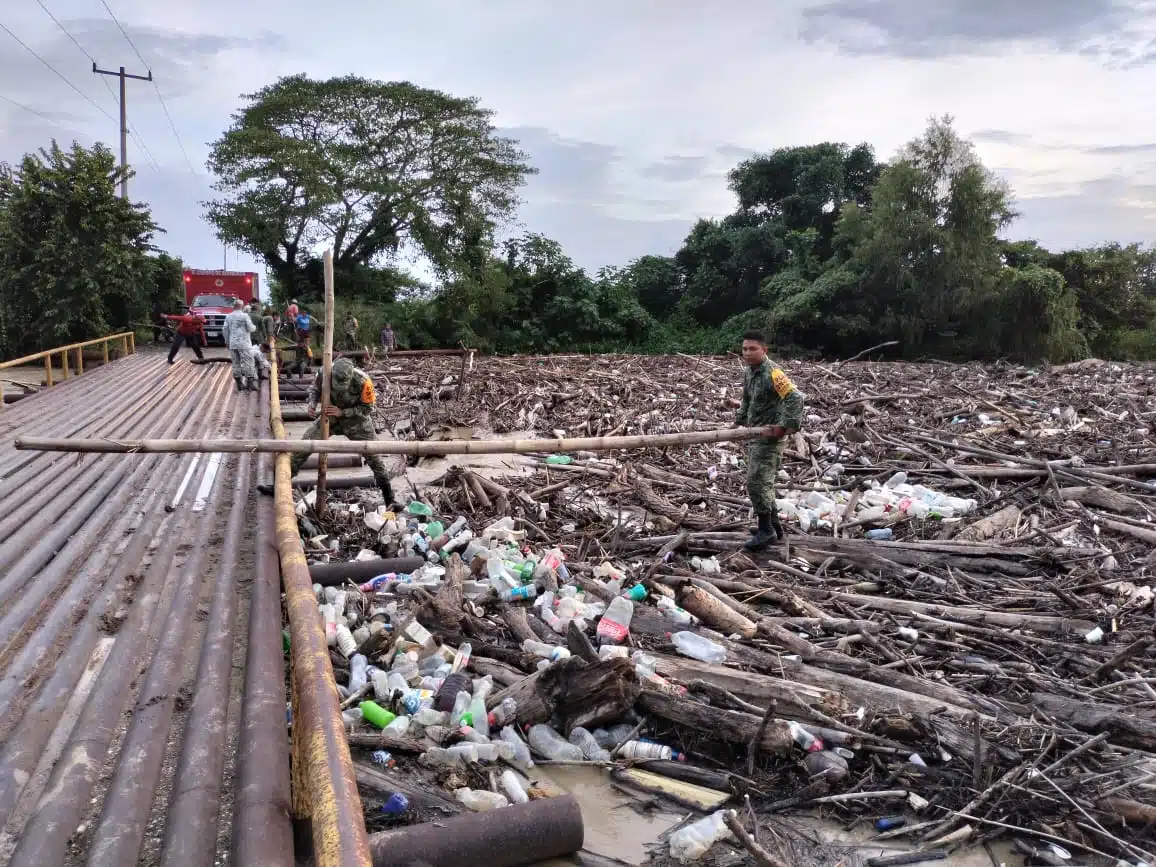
(991, 673)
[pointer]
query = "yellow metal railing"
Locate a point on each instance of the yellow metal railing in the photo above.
(126, 339)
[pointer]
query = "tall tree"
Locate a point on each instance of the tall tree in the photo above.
(74, 256)
(368, 167)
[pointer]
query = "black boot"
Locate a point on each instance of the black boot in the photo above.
(387, 494)
(265, 489)
(763, 536)
(777, 526)
(240, 383)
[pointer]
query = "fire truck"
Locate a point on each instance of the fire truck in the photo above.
(211, 294)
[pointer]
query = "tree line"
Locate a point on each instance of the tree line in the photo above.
(828, 249)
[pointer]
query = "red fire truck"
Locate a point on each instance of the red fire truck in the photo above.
(211, 294)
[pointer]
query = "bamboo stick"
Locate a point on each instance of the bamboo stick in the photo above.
(419, 448)
(322, 501)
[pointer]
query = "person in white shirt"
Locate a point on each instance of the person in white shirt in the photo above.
(237, 333)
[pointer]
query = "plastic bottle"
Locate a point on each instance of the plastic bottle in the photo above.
(462, 657)
(398, 727)
(900, 478)
(615, 623)
(549, 744)
(446, 696)
(609, 738)
(479, 715)
(521, 759)
(416, 507)
(670, 608)
(559, 460)
(691, 842)
(427, 716)
(383, 758)
(880, 535)
(329, 613)
(518, 594)
(613, 651)
(697, 647)
(351, 717)
(552, 652)
(804, 738)
(376, 715)
(461, 706)
(582, 739)
(512, 786)
(503, 714)
(395, 804)
(556, 623)
(479, 800)
(645, 750)
(358, 672)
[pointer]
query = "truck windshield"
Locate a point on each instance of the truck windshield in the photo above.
(213, 301)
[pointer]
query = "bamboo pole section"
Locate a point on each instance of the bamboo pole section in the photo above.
(320, 747)
(418, 448)
(321, 504)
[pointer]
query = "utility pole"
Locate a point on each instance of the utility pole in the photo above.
(123, 76)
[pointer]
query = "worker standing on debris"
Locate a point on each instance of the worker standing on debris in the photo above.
(352, 397)
(388, 341)
(351, 326)
(771, 400)
(190, 330)
(238, 337)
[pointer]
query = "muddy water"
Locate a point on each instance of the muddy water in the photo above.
(615, 830)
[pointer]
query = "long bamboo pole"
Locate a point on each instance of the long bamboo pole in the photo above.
(321, 504)
(419, 448)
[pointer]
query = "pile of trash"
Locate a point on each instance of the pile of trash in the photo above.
(491, 655)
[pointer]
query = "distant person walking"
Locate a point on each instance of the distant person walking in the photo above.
(239, 329)
(190, 332)
(351, 327)
(388, 341)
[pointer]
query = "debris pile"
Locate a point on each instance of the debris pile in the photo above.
(981, 669)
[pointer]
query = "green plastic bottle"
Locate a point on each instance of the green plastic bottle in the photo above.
(559, 460)
(376, 715)
(434, 530)
(417, 507)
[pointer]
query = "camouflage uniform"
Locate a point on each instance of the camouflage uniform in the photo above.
(351, 391)
(769, 398)
(238, 329)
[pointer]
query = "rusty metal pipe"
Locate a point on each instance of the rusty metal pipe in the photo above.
(102, 580)
(339, 837)
(195, 802)
(65, 800)
(358, 571)
(120, 831)
(513, 837)
(262, 831)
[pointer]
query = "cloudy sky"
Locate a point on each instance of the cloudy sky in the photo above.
(633, 110)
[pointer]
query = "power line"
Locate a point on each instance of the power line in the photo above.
(26, 108)
(140, 57)
(57, 73)
(136, 137)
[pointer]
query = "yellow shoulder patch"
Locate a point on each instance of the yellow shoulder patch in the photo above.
(368, 395)
(781, 382)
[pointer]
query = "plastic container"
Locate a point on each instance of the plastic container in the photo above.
(395, 804)
(697, 647)
(399, 727)
(447, 695)
(383, 758)
(670, 608)
(521, 758)
(582, 739)
(479, 716)
(553, 652)
(462, 657)
(504, 714)
(646, 750)
(416, 507)
(358, 672)
(880, 535)
(804, 738)
(691, 842)
(512, 786)
(550, 745)
(559, 460)
(461, 707)
(375, 714)
(480, 801)
(518, 594)
(615, 623)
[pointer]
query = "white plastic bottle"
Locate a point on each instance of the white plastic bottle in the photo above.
(480, 801)
(512, 786)
(582, 739)
(550, 745)
(693, 841)
(522, 759)
(615, 623)
(697, 647)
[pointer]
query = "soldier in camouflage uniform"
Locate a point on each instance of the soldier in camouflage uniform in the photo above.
(352, 398)
(770, 399)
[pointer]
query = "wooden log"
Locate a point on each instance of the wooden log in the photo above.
(1101, 498)
(419, 448)
(714, 613)
(731, 726)
(578, 693)
(1124, 727)
(991, 526)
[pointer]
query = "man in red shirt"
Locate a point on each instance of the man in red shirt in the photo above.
(190, 330)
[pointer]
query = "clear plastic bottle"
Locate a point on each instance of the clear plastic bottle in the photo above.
(550, 745)
(696, 647)
(522, 760)
(582, 739)
(615, 623)
(462, 657)
(645, 750)
(480, 716)
(692, 841)
(518, 594)
(504, 714)
(461, 707)
(670, 608)
(427, 716)
(513, 788)
(399, 728)
(552, 620)
(358, 672)
(480, 801)
(553, 652)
